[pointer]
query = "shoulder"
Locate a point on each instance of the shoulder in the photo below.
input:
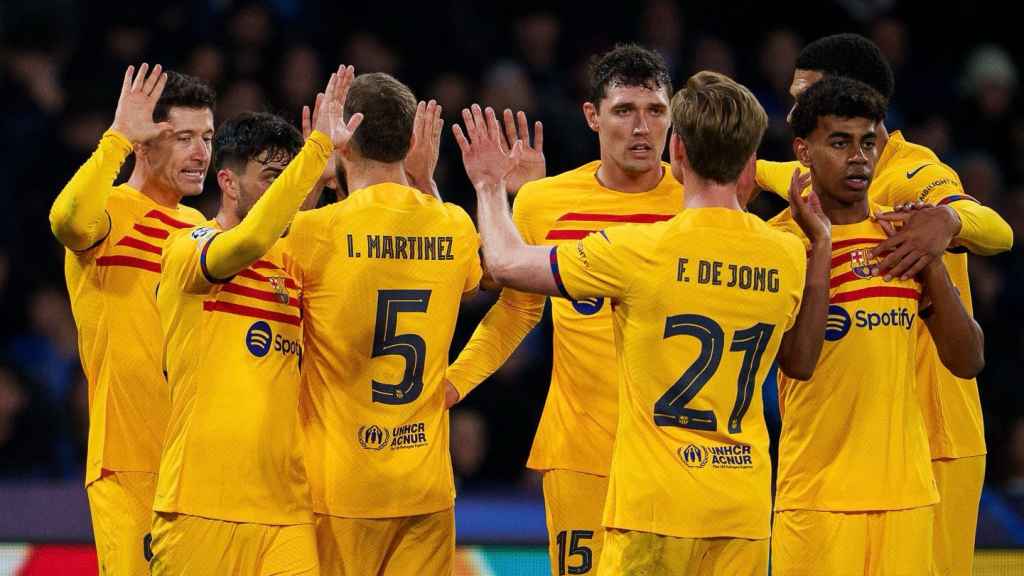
(190, 214)
(559, 183)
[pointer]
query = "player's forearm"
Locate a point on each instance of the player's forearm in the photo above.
(511, 261)
(494, 340)
(775, 176)
(236, 249)
(958, 338)
(801, 345)
(982, 230)
(78, 217)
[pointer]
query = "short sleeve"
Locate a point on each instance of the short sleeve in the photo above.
(602, 264)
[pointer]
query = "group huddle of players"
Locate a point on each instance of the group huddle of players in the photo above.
(269, 389)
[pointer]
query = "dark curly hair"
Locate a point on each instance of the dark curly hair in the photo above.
(184, 91)
(250, 134)
(627, 65)
(852, 56)
(836, 96)
(389, 108)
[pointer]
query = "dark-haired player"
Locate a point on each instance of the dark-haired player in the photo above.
(114, 236)
(908, 173)
(855, 489)
(232, 495)
(628, 108)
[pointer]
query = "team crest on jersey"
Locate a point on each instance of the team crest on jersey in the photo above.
(373, 437)
(862, 263)
(279, 283)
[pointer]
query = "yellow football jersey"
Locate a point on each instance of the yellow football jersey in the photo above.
(233, 351)
(853, 438)
(700, 304)
(577, 427)
(382, 274)
(112, 287)
(952, 408)
(908, 172)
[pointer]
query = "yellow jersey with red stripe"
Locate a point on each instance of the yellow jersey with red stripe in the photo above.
(853, 437)
(232, 351)
(908, 172)
(112, 287)
(700, 305)
(577, 427)
(383, 273)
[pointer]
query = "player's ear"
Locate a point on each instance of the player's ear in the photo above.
(590, 113)
(228, 183)
(677, 150)
(802, 151)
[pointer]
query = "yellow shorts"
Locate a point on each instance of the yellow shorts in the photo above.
(387, 546)
(121, 505)
(197, 546)
(956, 515)
(573, 504)
(890, 543)
(632, 553)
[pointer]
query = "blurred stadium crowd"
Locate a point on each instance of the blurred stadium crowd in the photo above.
(61, 64)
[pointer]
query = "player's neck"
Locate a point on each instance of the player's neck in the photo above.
(361, 175)
(840, 213)
(149, 187)
(614, 178)
(702, 193)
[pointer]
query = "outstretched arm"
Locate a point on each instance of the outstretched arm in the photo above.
(78, 217)
(510, 261)
(235, 250)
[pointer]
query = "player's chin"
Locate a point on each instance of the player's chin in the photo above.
(641, 165)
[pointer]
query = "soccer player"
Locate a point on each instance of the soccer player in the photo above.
(855, 489)
(702, 303)
(907, 173)
(382, 274)
(114, 237)
(232, 495)
(628, 108)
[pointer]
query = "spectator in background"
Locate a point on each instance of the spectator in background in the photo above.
(48, 352)
(777, 55)
(987, 111)
(26, 449)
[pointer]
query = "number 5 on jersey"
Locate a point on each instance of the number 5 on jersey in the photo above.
(411, 347)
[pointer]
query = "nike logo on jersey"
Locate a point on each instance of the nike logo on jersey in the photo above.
(914, 172)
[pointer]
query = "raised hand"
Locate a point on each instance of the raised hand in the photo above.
(532, 165)
(484, 156)
(807, 210)
(331, 120)
(139, 95)
(421, 160)
(329, 176)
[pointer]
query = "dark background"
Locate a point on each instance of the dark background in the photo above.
(62, 61)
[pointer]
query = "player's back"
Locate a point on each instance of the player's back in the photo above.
(383, 273)
(704, 302)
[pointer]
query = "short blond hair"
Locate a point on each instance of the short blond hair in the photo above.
(720, 122)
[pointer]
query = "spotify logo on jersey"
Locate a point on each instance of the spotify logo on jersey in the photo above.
(258, 339)
(837, 324)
